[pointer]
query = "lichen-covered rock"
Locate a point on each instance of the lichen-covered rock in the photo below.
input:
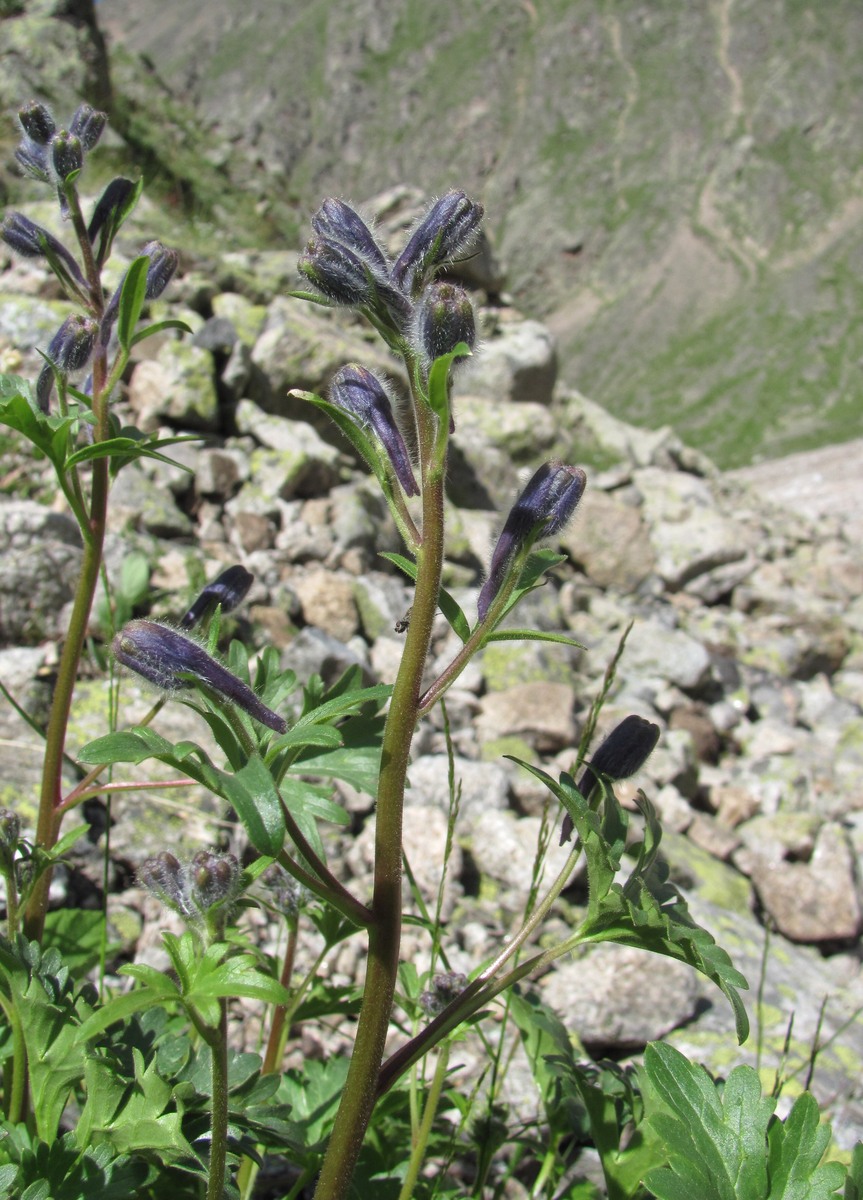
(617, 998)
(178, 386)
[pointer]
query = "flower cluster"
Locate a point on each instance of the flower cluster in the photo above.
(56, 156)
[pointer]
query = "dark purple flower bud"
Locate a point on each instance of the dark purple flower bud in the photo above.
(69, 351)
(88, 124)
(33, 159)
(172, 662)
(71, 346)
(228, 589)
(623, 753)
(338, 222)
(337, 272)
(214, 879)
(67, 153)
(363, 395)
(164, 877)
(111, 200)
(32, 241)
(443, 990)
(542, 509)
(37, 122)
(444, 317)
(162, 268)
(449, 227)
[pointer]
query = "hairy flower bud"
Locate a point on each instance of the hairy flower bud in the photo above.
(69, 351)
(164, 877)
(30, 240)
(172, 662)
(360, 393)
(88, 124)
(33, 160)
(543, 508)
(444, 317)
(228, 589)
(449, 226)
(162, 268)
(67, 153)
(623, 753)
(338, 222)
(113, 197)
(214, 879)
(37, 122)
(444, 989)
(71, 346)
(336, 271)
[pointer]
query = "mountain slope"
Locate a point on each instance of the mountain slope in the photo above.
(676, 188)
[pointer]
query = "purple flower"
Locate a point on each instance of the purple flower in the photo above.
(361, 393)
(228, 589)
(449, 226)
(625, 751)
(171, 662)
(542, 509)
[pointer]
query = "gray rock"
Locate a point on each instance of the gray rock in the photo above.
(41, 552)
(690, 537)
(815, 901)
(178, 386)
(518, 362)
(655, 651)
(617, 998)
(483, 786)
(609, 541)
(541, 713)
(314, 652)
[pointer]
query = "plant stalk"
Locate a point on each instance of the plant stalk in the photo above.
(358, 1097)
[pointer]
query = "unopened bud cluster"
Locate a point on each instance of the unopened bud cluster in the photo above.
(192, 890)
(56, 156)
(443, 990)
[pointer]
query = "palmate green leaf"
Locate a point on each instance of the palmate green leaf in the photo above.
(130, 1115)
(61, 1171)
(38, 986)
(446, 603)
(313, 1094)
(727, 1144)
(796, 1147)
(647, 911)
